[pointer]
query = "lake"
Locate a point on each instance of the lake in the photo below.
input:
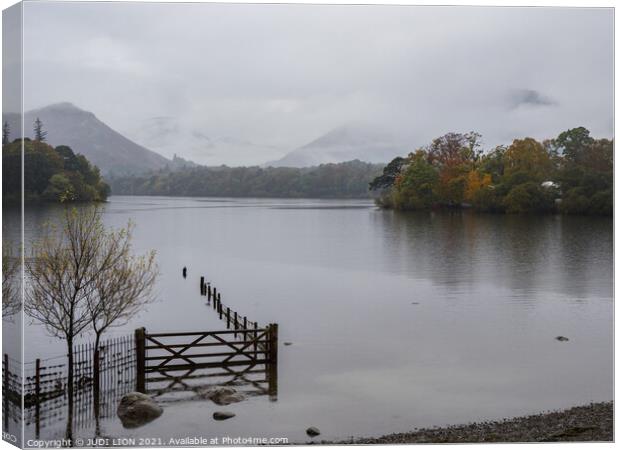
(397, 320)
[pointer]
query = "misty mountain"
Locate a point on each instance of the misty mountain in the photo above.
(198, 141)
(69, 125)
(344, 143)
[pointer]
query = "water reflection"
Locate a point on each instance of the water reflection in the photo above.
(563, 254)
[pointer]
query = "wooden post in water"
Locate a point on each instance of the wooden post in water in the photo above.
(255, 335)
(219, 308)
(236, 325)
(245, 327)
(202, 285)
(272, 357)
(209, 292)
(184, 272)
(5, 391)
(37, 393)
(214, 292)
(227, 318)
(96, 382)
(140, 360)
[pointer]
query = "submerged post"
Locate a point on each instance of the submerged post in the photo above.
(5, 391)
(202, 285)
(140, 360)
(209, 292)
(272, 365)
(37, 393)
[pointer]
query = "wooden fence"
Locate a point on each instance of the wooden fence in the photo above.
(234, 320)
(169, 362)
(45, 384)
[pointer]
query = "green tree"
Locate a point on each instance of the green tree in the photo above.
(6, 132)
(39, 133)
(573, 143)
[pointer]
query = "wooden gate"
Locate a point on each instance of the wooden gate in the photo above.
(167, 362)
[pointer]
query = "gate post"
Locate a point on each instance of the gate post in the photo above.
(272, 357)
(5, 391)
(140, 359)
(37, 393)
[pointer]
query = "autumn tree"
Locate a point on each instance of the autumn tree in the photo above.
(527, 156)
(475, 182)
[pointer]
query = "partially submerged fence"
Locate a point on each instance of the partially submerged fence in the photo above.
(234, 320)
(45, 384)
(168, 362)
(244, 354)
(185, 361)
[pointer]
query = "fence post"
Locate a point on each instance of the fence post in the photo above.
(272, 357)
(37, 393)
(255, 335)
(227, 318)
(140, 361)
(5, 391)
(235, 324)
(245, 328)
(202, 285)
(96, 382)
(209, 292)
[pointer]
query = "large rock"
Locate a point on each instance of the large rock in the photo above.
(222, 395)
(136, 409)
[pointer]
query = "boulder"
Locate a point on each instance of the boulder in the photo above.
(222, 395)
(223, 415)
(313, 431)
(136, 409)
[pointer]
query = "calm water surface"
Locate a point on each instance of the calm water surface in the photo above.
(397, 320)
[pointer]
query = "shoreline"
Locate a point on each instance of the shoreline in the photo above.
(588, 423)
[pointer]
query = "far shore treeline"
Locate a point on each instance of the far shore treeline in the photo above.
(50, 174)
(572, 174)
(341, 180)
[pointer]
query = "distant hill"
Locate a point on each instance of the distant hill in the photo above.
(113, 153)
(343, 180)
(345, 143)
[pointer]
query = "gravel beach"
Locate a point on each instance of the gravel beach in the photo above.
(592, 423)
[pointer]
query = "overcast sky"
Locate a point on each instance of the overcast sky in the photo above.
(243, 84)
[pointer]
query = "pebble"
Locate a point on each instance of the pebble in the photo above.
(223, 415)
(313, 431)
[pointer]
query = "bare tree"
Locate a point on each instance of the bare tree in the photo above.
(119, 294)
(67, 267)
(11, 266)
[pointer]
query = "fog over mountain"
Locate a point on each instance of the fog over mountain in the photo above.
(345, 143)
(200, 142)
(243, 84)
